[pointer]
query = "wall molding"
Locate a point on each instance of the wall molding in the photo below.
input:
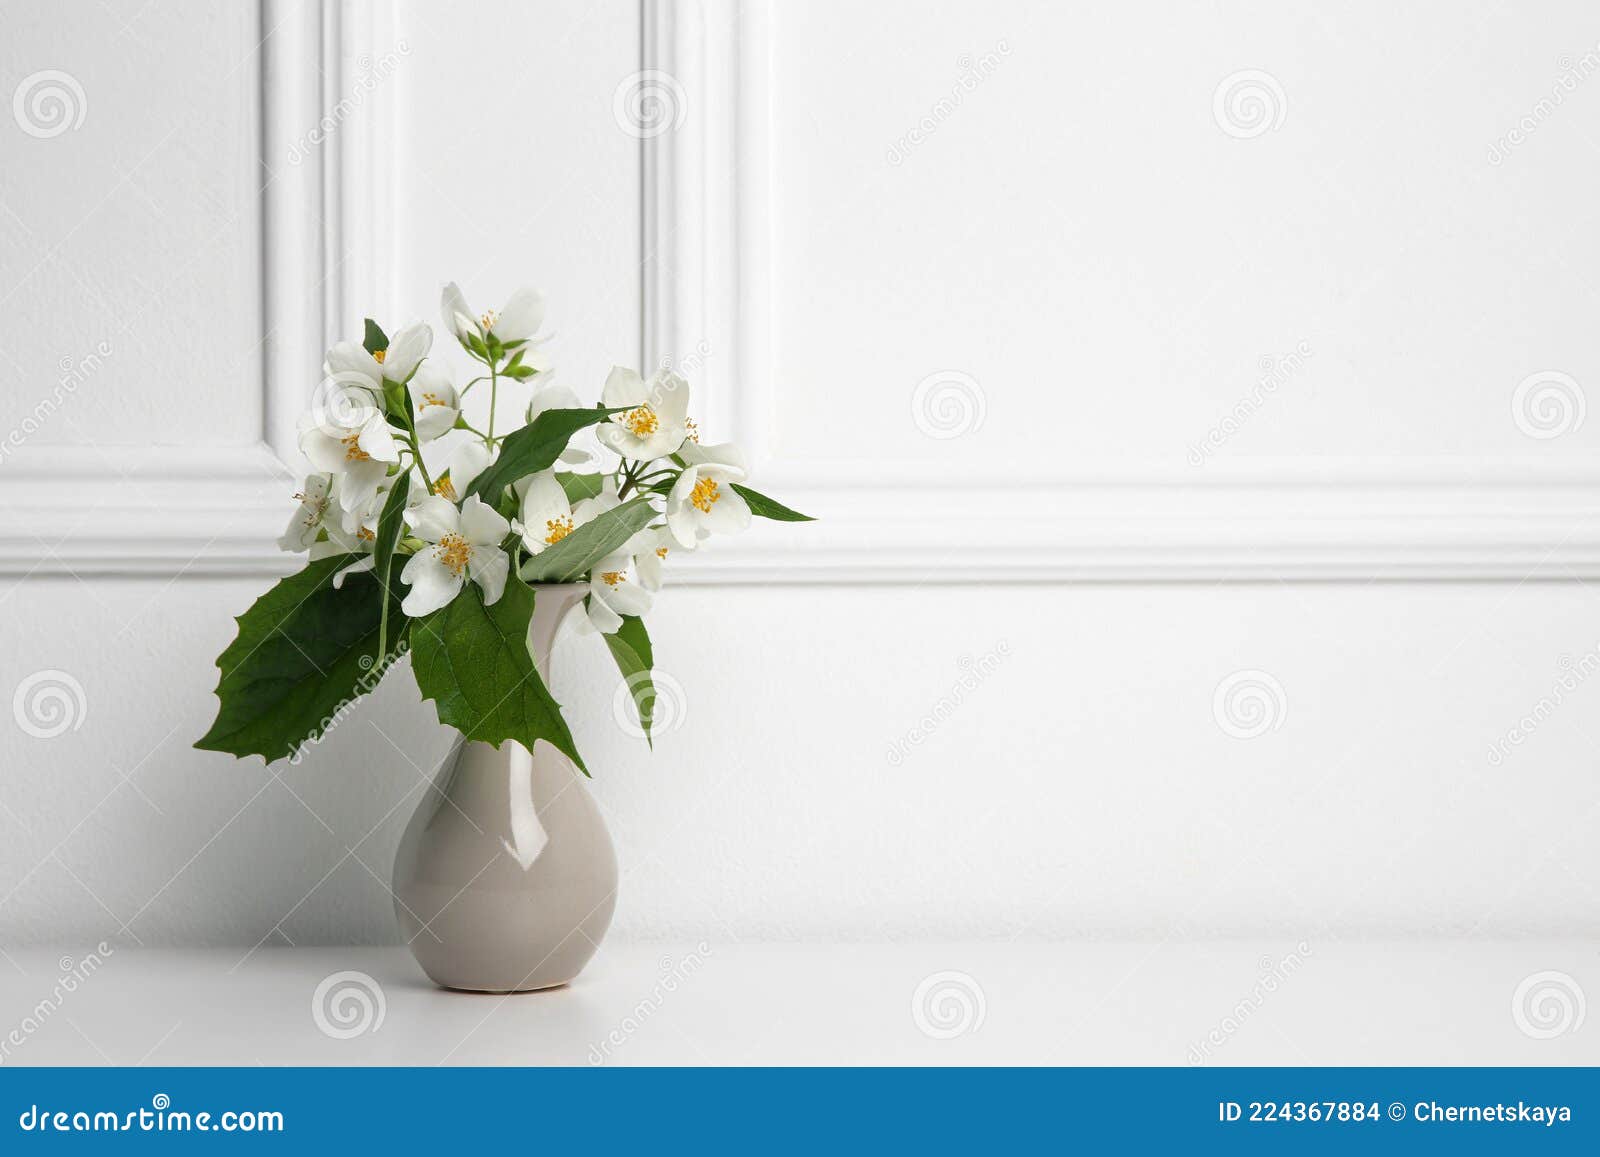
(329, 220)
(707, 302)
(144, 510)
(325, 227)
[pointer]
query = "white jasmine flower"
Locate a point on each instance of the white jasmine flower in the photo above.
(614, 591)
(654, 425)
(467, 461)
(649, 549)
(702, 501)
(307, 521)
(359, 455)
(350, 360)
(349, 435)
(546, 516)
(360, 526)
(353, 532)
(356, 531)
(462, 544)
(516, 321)
(435, 404)
(545, 513)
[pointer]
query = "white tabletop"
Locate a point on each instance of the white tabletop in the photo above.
(739, 1004)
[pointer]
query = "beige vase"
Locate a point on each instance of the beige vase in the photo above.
(506, 878)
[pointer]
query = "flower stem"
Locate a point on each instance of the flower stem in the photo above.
(494, 392)
(416, 458)
(629, 479)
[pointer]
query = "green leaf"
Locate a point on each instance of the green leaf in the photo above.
(508, 507)
(630, 647)
(389, 526)
(763, 507)
(304, 651)
(580, 486)
(533, 448)
(374, 339)
(473, 662)
(515, 369)
(603, 534)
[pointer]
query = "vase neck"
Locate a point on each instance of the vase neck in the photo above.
(551, 604)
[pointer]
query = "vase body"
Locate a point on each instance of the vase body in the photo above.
(506, 878)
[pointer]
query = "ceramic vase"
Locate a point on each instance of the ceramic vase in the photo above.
(506, 877)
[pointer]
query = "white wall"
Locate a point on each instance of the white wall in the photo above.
(1084, 241)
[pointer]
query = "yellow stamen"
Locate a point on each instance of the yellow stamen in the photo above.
(556, 529)
(661, 552)
(366, 535)
(612, 577)
(488, 319)
(692, 430)
(641, 422)
(379, 355)
(352, 451)
(453, 551)
(444, 488)
(432, 399)
(704, 495)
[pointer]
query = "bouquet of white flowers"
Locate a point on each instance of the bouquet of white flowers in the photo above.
(417, 546)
